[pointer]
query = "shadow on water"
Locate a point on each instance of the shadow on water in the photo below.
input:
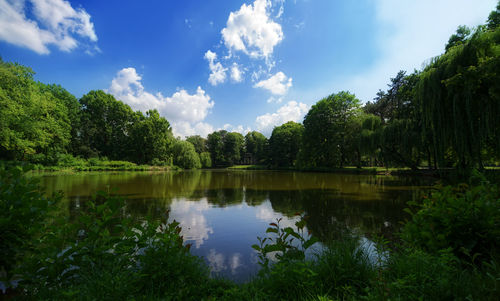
(222, 212)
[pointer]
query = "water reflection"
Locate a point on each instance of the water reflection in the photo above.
(222, 212)
(191, 217)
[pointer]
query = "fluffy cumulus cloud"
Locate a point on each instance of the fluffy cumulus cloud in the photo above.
(218, 72)
(252, 31)
(236, 73)
(53, 22)
(291, 111)
(184, 111)
(277, 84)
(406, 42)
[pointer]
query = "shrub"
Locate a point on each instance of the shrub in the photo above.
(23, 211)
(106, 255)
(185, 155)
(465, 219)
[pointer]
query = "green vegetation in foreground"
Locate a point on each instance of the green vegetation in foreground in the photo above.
(448, 250)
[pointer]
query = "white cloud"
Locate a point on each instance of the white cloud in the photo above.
(236, 73)
(55, 22)
(184, 129)
(266, 213)
(410, 33)
(274, 99)
(252, 31)
(190, 215)
(238, 129)
(184, 111)
(277, 84)
(216, 261)
(218, 73)
(235, 262)
(292, 111)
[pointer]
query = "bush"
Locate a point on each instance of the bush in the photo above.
(465, 219)
(23, 211)
(185, 155)
(105, 255)
(67, 160)
(158, 162)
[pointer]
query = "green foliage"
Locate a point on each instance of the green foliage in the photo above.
(32, 119)
(205, 160)
(458, 38)
(226, 149)
(150, 138)
(215, 144)
(326, 128)
(233, 147)
(464, 219)
(200, 143)
(494, 18)
(105, 255)
(23, 211)
(185, 155)
(105, 123)
(285, 143)
(255, 144)
(282, 245)
(458, 94)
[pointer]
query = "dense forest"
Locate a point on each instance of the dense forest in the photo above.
(443, 116)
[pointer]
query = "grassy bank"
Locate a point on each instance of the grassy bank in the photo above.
(448, 250)
(72, 164)
(423, 171)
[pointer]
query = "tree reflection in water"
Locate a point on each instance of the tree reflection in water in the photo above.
(222, 212)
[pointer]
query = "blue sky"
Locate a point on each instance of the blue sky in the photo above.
(237, 65)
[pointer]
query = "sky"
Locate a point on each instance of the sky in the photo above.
(207, 65)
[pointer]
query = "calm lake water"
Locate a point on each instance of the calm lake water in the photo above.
(222, 212)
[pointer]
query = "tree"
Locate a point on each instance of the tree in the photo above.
(255, 144)
(32, 119)
(326, 129)
(458, 38)
(215, 144)
(150, 138)
(369, 137)
(459, 95)
(233, 147)
(185, 155)
(494, 18)
(284, 144)
(200, 143)
(105, 125)
(205, 160)
(73, 108)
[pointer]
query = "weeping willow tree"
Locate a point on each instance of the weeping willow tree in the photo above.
(459, 98)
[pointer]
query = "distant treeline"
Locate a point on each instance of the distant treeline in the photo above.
(445, 115)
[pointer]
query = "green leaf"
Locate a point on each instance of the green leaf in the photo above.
(273, 230)
(310, 242)
(300, 224)
(256, 247)
(291, 232)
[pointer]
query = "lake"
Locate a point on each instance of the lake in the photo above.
(222, 212)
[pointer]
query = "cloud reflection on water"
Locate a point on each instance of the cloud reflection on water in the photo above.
(193, 222)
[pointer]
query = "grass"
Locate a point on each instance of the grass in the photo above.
(93, 164)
